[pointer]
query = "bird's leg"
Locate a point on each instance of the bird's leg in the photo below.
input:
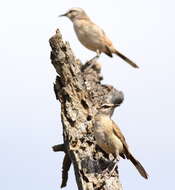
(115, 165)
(92, 61)
(109, 174)
(96, 57)
(115, 161)
(98, 54)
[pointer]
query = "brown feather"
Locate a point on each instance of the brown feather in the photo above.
(127, 153)
(126, 59)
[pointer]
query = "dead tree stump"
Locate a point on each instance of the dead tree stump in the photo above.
(78, 88)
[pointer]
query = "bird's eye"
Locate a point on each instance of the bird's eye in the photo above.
(105, 106)
(71, 11)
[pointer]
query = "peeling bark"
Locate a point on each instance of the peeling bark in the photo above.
(78, 88)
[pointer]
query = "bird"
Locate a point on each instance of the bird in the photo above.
(110, 138)
(92, 36)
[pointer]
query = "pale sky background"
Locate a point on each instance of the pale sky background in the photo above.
(30, 115)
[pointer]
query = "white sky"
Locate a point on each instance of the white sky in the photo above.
(30, 122)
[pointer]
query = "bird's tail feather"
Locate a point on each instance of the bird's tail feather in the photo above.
(126, 59)
(139, 167)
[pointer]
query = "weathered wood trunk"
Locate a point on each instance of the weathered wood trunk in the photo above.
(78, 88)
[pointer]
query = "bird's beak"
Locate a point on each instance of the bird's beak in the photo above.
(63, 15)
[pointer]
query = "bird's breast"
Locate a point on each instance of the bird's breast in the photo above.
(88, 35)
(106, 138)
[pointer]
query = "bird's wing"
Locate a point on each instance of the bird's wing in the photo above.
(119, 134)
(109, 48)
(102, 34)
(126, 152)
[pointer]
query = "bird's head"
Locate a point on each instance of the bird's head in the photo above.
(107, 109)
(75, 13)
